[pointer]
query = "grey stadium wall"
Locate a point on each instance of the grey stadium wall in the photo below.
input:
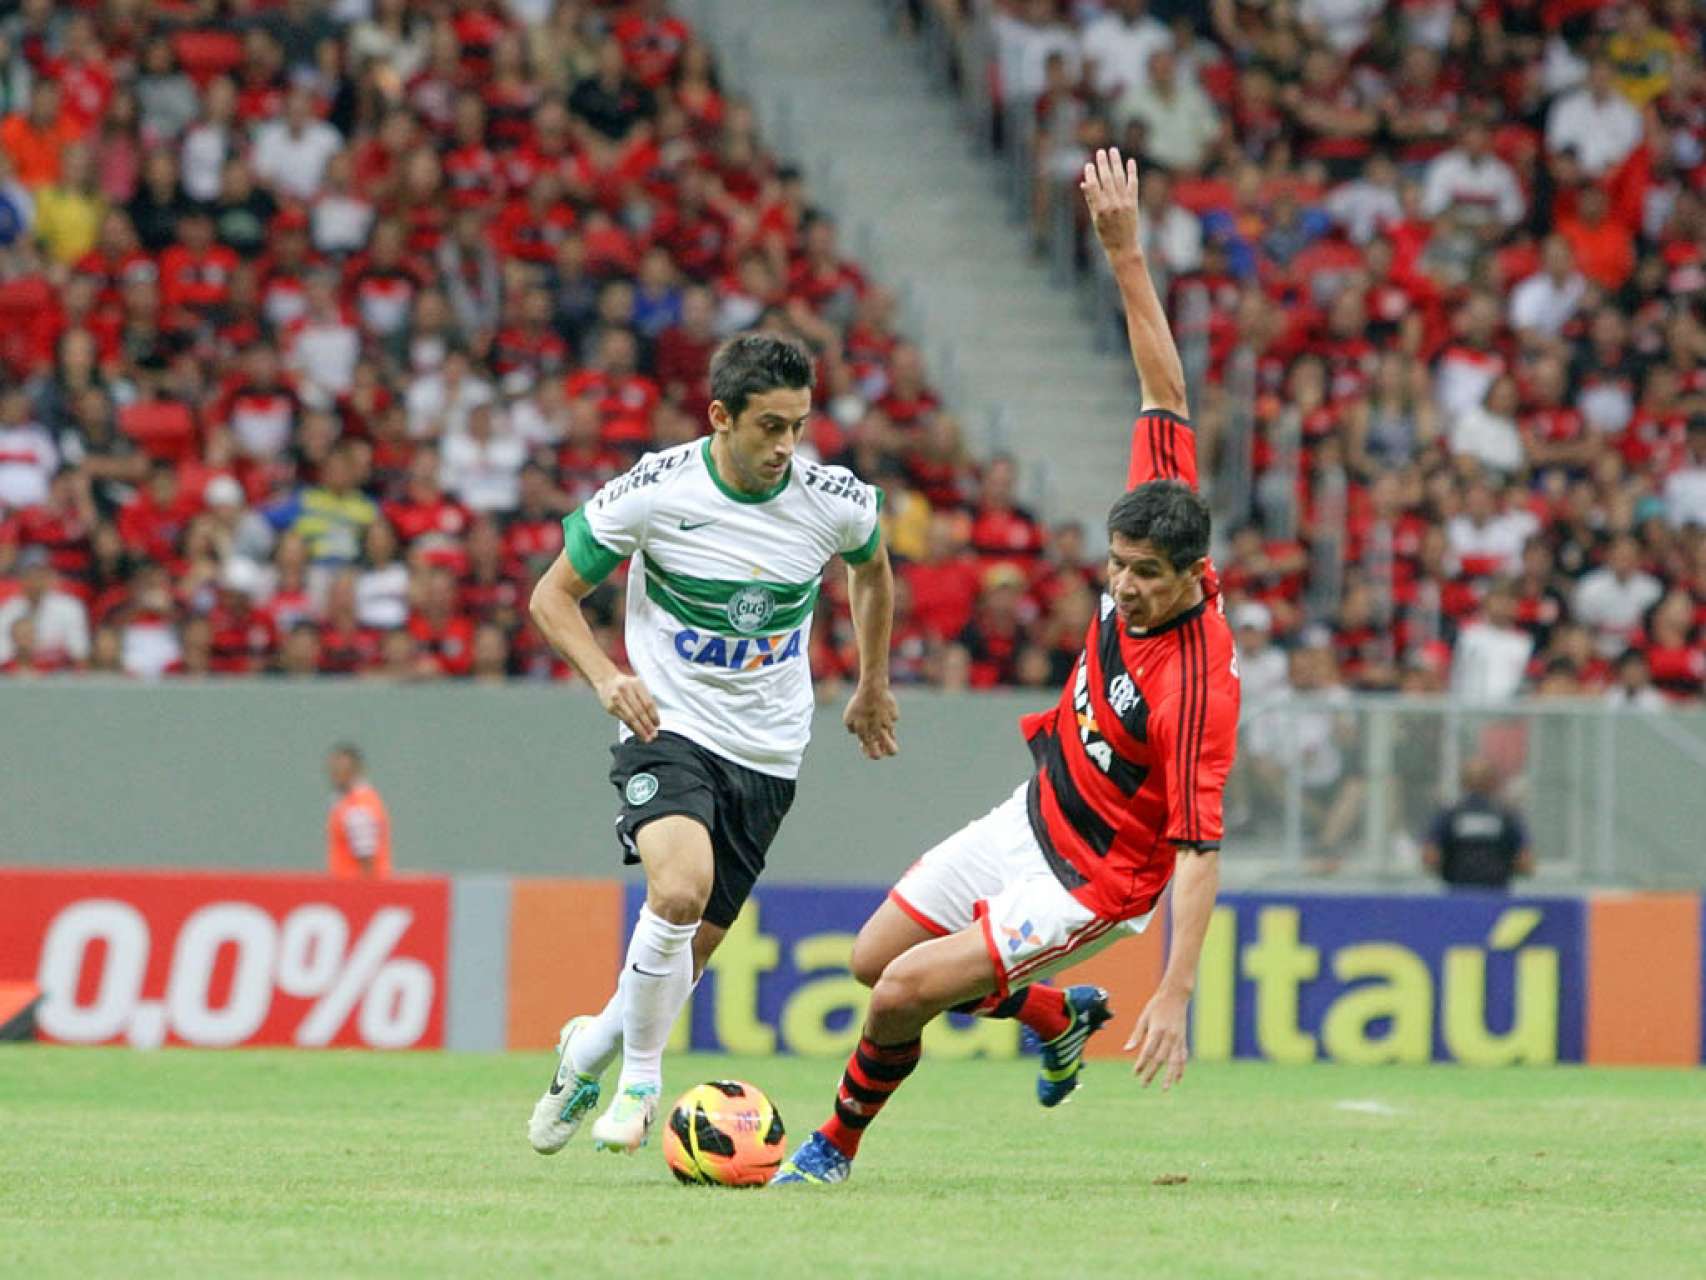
(502, 779)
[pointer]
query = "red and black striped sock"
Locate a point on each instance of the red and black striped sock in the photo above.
(873, 1073)
(1042, 1009)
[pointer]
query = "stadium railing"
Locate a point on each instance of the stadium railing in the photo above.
(1345, 788)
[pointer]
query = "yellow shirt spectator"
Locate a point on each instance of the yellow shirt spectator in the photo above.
(906, 524)
(1644, 62)
(68, 222)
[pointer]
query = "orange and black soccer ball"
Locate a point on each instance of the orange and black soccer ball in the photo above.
(724, 1134)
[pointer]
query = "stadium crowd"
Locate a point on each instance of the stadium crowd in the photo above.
(1460, 248)
(315, 319)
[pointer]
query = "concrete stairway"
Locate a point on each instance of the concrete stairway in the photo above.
(886, 151)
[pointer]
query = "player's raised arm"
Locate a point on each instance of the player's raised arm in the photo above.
(556, 609)
(1110, 189)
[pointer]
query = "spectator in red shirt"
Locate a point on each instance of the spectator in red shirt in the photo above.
(1001, 529)
(196, 272)
(244, 638)
(1604, 249)
(909, 398)
(423, 507)
(1675, 648)
(152, 523)
(681, 357)
(652, 41)
(995, 635)
(945, 582)
(440, 629)
(346, 647)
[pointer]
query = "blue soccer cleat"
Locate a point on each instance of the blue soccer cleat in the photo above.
(817, 1161)
(1063, 1057)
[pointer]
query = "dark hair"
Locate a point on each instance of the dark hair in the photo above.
(1167, 513)
(349, 750)
(754, 363)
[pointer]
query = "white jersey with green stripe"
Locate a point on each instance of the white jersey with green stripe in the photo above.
(721, 590)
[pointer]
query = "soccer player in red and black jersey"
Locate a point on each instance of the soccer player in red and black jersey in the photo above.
(1126, 797)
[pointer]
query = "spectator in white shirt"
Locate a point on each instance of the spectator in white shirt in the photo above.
(1595, 121)
(1172, 234)
(1023, 44)
(61, 623)
(210, 141)
(1487, 432)
(1611, 600)
(341, 217)
(1366, 205)
(1473, 183)
(438, 402)
(148, 624)
(1262, 664)
(324, 345)
(1492, 653)
(1486, 534)
(1119, 44)
(481, 465)
(382, 589)
(1685, 490)
(1547, 300)
(1180, 121)
(291, 154)
(1633, 687)
(1468, 367)
(1344, 24)
(28, 457)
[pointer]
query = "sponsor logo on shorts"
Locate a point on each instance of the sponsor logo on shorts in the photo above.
(747, 653)
(751, 608)
(641, 788)
(1023, 936)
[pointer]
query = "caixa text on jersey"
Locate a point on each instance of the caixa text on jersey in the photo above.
(748, 653)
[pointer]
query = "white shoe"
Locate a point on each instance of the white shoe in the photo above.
(559, 1112)
(626, 1126)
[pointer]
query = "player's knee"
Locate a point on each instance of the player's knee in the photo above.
(898, 991)
(869, 960)
(678, 898)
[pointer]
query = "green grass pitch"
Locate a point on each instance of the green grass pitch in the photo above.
(256, 1163)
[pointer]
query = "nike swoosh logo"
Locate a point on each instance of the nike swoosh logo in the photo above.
(689, 528)
(646, 973)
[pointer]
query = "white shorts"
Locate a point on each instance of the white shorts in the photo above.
(992, 872)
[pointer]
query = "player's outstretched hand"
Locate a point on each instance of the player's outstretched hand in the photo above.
(627, 698)
(871, 716)
(1159, 1039)
(1110, 189)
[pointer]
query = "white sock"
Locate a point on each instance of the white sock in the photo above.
(598, 1041)
(657, 977)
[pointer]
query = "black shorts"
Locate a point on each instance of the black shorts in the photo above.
(740, 807)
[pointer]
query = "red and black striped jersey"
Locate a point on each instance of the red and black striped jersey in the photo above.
(1133, 759)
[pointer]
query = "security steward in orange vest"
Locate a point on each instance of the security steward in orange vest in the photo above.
(358, 829)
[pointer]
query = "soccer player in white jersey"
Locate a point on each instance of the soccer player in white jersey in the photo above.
(726, 540)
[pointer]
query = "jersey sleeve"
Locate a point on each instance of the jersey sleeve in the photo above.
(610, 526)
(861, 524)
(1163, 447)
(1195, 735)
(361, 829)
